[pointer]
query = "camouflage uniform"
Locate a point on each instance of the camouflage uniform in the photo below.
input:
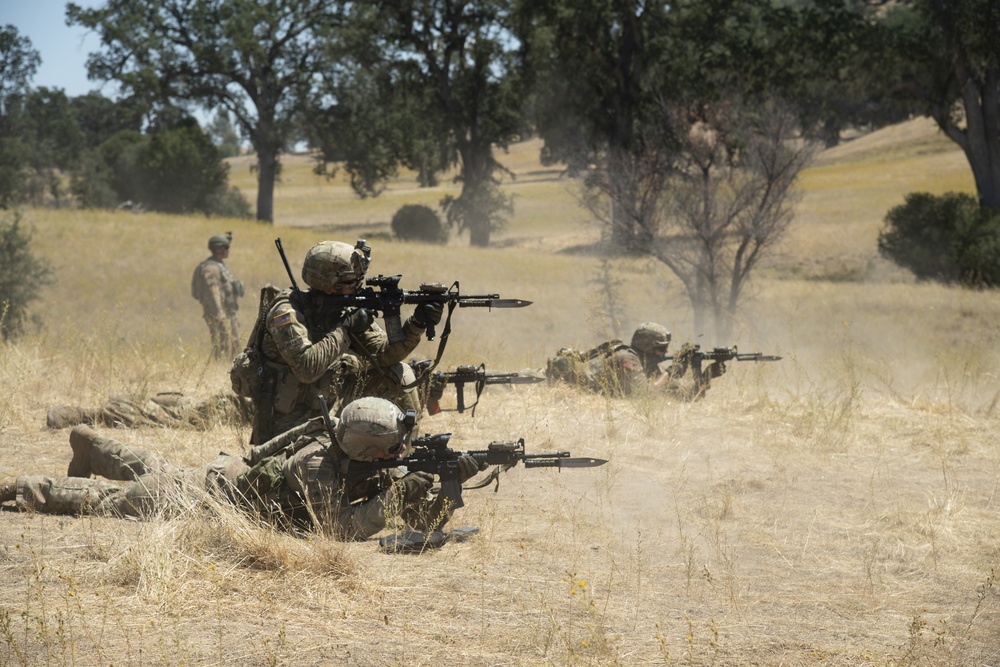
(167, 409)
(153, 486)
(215, 288)
(299, 478)
(305, 352)
(310, 481)
(616, 369)
(611, 368)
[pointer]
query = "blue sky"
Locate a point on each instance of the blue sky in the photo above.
(63, 50)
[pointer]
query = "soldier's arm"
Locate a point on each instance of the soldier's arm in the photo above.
(213, 284)
(377, 349)
(313, 476)
(308, 360)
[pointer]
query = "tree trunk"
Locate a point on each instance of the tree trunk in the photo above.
(479, 234)
(267, 171)
(476, 174)
(982, 146)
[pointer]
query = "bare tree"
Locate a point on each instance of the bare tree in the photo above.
(708, 196)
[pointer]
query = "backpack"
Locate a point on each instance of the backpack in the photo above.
(247, 373)
(571, 365)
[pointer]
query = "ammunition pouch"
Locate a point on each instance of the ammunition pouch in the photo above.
(288, 391)
(247, 373)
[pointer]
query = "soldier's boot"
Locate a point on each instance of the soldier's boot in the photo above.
(8, 487)
(64, 416)
(94, 454)
(63, 495)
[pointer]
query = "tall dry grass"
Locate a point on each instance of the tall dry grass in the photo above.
(839, 507)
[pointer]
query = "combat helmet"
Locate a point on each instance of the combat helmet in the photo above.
(649, 335)
(331, 263)
(371, 428)
(220, 240)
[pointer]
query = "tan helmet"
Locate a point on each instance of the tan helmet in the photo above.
(649, 335)
(220, 240)
(371, 428)
(331, 263)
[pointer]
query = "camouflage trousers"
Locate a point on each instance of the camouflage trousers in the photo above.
(225, 335)
(169, 409)
(147, 484)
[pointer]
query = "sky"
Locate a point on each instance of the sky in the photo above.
(63, 49)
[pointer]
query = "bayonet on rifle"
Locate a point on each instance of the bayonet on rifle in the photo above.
(725, 354)
(430, 453)
(478, 376)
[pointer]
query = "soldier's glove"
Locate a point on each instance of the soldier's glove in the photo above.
(469, 467)
(238, 287)
(428, 314)
(716, 369)
(414, 485)
(358, 322)
(686, 353)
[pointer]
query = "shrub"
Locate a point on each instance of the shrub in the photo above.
(21, 276)
(181, 168)
(947, 239)
(416, 222)
(228, 202)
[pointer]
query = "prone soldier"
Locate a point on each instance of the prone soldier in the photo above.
(302, 478)
(616, 369)
(169, 409)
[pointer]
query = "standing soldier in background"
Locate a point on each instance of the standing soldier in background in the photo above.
(215, 288)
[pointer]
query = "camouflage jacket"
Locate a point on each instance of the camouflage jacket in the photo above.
(215, 288)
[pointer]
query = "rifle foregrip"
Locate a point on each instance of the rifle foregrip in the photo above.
(451, 491)
(394, 328)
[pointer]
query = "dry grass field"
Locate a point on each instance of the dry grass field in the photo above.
(839, 507)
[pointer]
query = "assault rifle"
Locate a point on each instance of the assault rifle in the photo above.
(383, 294)
(431, 454)
(462, 375)
(722, 354)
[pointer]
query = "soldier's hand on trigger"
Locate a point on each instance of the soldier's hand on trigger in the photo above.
(357, 322)
(428, 314)
(468, 467)
(415, 485)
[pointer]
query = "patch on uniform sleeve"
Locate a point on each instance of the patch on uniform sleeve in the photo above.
(281, 320)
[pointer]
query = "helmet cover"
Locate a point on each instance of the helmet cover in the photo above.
(649, 335)
(332, 263)
(371, 428)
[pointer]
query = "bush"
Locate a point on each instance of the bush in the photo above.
(948, 239)
(91, 182)
(228, 202)
(181, 168)
(416, 222)
(21, 276)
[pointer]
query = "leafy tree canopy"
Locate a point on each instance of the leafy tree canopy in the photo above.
(257, 59)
